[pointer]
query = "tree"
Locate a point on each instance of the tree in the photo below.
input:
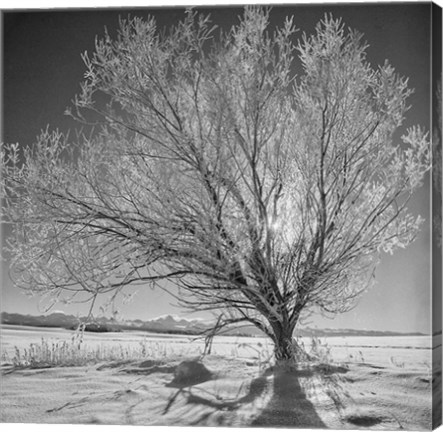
(256, 193)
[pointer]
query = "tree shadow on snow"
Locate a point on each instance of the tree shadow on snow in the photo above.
(289, 406)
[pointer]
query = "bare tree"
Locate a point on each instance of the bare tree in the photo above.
(213, 167)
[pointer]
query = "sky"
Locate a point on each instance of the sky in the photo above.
(42, 71)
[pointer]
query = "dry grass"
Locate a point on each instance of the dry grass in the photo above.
(76, 352)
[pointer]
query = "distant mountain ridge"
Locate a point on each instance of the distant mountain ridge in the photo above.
(170, 324)
(162, 324)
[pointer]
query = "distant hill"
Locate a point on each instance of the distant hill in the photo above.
(170, 324)
(352, 332)
(53, 320)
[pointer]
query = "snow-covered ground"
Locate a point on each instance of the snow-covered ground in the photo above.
(377, 383)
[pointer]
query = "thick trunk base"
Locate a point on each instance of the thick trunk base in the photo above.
(288, 352)
(285, 350)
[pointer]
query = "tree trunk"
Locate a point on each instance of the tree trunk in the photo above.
(285, 348)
